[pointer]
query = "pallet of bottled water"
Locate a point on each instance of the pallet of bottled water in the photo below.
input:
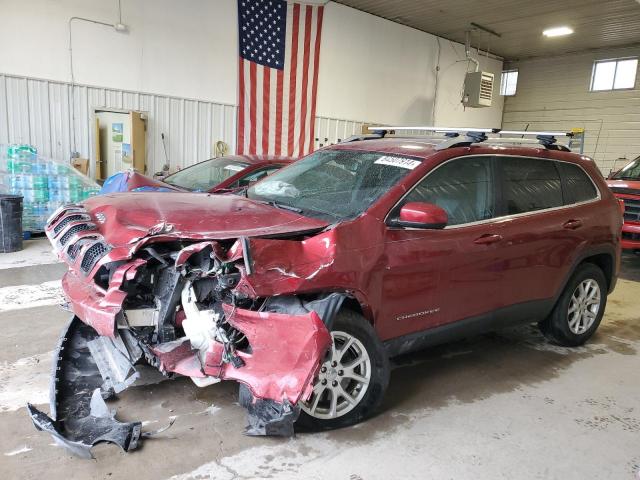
(44, 183)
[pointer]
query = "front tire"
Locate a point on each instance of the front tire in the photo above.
(579, 309)
(352, 380)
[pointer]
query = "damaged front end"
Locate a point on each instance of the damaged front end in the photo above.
(186, 307)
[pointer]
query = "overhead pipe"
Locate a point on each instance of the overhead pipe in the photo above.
(467, 50)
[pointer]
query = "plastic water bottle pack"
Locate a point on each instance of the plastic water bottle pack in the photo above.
(44, 183)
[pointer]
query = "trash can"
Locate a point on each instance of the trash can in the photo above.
(10, 223)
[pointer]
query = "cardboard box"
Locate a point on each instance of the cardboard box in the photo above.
(81, 164)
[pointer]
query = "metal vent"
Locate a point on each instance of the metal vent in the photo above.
(486, 87)
(73, 230)
(478, 89)
(94, 253)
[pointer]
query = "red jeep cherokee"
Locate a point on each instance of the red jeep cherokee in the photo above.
(304, 287)
(625, 185)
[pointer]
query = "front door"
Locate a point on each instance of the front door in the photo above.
(434, 277)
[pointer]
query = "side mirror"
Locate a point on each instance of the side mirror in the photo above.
(421, 215)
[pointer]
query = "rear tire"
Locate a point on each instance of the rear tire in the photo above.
(355, 371)
(579, 309)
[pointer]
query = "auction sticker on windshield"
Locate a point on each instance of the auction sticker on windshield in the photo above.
(234, 168)
(398, 162)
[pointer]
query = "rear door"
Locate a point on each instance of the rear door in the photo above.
(543, 229)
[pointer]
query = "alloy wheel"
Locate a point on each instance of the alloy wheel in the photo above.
(584, 306)
(343, 379)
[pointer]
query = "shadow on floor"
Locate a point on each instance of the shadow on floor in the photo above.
(630, 266)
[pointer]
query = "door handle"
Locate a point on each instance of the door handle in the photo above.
(572, 224)
(488, 239)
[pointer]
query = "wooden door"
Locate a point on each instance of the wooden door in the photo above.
(138, 142)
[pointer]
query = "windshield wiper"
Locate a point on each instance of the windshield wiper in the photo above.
(284, 206)
(273, 203)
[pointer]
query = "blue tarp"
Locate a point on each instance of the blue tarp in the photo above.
(115, 183)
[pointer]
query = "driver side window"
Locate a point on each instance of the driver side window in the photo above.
(463, 187)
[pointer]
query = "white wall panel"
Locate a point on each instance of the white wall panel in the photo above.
(553, 94)
(386, 72)
(39, 112)
(334, 130)
(183, 48)
(370, 68)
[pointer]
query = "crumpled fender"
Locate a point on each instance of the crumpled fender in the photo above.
(99, 308)
(286, 352)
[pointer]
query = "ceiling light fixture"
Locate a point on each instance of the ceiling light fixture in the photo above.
(557, 31)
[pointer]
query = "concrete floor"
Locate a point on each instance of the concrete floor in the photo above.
(507, 405)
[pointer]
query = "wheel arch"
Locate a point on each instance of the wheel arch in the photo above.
(605, 262)
(357, 302)
(604, 257)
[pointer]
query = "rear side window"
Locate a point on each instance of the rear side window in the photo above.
(578, 187)
(463, 188)
(529, 184)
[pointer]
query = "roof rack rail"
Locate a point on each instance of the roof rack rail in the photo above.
(479, 135)
(371, 136)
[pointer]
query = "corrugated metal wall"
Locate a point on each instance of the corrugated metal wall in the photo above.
(39, 112)
(334, 130)
(553, 94)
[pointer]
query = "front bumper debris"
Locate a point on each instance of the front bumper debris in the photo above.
(212, 310)
(79, 417)
(89, 368)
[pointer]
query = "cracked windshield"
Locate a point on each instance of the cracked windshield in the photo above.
(333, 184)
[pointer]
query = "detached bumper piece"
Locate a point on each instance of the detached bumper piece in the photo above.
(79, 417)
(267, 417)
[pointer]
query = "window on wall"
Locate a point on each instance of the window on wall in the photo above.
(616, 74)
(508, 82)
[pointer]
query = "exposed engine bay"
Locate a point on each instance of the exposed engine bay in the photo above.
(187, 308)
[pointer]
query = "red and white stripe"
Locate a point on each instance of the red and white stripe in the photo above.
(277, 108)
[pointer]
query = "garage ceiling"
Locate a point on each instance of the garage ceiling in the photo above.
(596, 23)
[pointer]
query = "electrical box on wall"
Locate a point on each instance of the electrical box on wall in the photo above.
(478, 89)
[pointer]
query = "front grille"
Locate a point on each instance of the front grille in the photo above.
(73, 230)
(631, 210)
(94, 253)
(74, 248)
(631, 236)
(66, 221)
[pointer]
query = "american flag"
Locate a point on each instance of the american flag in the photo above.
(278, 76)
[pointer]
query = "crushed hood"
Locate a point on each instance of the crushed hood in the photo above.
(128, 217)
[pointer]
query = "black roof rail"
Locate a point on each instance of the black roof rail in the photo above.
(377, 134)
